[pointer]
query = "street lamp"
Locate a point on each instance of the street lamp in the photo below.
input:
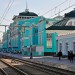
(31, 40)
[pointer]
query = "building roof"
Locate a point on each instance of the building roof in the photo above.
(27, 13)
(62, 22)
(61, 25)
(70, 14)
(58, 17)
(61, 28)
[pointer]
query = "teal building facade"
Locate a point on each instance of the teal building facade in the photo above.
(28, 34)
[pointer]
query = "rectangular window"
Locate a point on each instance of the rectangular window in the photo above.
(49, 40)
(60, 46)
(67, 47)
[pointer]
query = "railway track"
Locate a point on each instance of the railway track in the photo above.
(38, 69)
(2, 72)
(30, 70)
(7, 69)
(49, 69)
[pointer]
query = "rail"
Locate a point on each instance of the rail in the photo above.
(46, 68)
(4, 73)
(16, 69)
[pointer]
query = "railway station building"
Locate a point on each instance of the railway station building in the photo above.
(28, 34)
(65, 28)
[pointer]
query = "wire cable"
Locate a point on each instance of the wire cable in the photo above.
(6, 19)
(7, 9)
(64, 9)
(55, 7)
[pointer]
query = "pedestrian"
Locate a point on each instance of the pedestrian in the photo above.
(31, 55)
(68, 55)
(71, 56)
(60, 54)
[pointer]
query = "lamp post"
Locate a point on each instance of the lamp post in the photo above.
(10, 42)
(30, 49)
(31, 55)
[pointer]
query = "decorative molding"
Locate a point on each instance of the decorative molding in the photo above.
(66, 36)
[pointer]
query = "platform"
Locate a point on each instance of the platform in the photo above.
(64, 63)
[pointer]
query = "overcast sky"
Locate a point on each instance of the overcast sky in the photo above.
(40, 7)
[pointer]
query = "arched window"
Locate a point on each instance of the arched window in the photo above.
(70, 23)
(67, 45)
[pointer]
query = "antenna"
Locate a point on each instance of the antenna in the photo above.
(59, 13)
(26, 6)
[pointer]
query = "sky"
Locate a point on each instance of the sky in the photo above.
(40, 7)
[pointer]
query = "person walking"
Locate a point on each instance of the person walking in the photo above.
(68, 55)
(31, 55)
(71, 56)
(60, 54)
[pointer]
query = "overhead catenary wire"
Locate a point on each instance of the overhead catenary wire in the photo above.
(64, 10)
(6, 19)
(7, 9)
(55, 7)
(69, 2)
